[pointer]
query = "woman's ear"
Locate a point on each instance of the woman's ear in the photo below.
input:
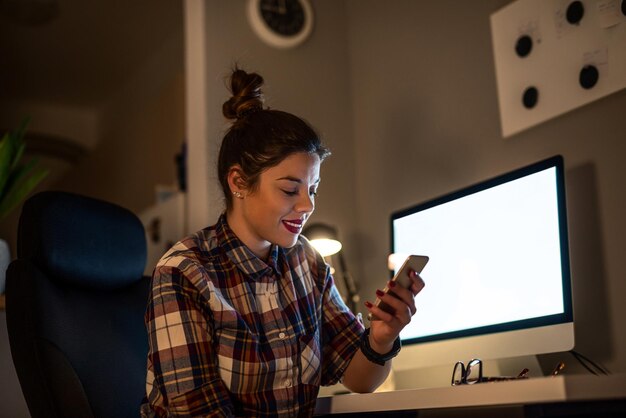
(236, 180)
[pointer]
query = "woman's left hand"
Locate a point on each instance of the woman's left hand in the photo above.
(387, 325)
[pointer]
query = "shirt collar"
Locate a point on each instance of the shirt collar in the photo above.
(243, 258)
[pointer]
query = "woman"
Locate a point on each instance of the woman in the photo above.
(244, 318)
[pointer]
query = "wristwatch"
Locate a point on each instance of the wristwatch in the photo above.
(375, 357)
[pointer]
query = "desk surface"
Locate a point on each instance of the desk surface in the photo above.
(519, 392)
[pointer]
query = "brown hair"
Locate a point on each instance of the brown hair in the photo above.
(259, 138)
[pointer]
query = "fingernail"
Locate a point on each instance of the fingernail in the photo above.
(368, 304)
(380, 293)
(392, 284)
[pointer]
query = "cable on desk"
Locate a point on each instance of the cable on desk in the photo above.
(587, 363)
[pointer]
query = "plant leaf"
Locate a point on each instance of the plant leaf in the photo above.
(16, 180)
(18, 151)
(17, 175)
(20, 186)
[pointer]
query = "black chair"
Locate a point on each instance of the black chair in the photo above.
(75, 300)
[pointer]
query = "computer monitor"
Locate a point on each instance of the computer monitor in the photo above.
(498, 280)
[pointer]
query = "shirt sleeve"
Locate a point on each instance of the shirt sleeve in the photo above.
(181, 359)
(341, 332)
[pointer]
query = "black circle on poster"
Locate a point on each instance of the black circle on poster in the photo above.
(589, 76)
(575, 12)
(530, 97)
(524, 45)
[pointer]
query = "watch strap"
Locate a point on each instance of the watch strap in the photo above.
(374, 356)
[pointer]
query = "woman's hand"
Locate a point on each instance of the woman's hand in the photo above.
(364, 374)
(387, 324)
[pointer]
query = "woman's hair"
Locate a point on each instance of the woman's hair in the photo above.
(259, 138)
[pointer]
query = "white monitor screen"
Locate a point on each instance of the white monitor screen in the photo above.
(498, 255)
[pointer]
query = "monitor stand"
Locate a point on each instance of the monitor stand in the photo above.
(513, 366)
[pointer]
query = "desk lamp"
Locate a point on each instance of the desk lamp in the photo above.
(324, 239)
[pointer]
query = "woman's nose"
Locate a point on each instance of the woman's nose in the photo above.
(305, 203)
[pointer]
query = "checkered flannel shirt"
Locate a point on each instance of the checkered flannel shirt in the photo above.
(231, 335)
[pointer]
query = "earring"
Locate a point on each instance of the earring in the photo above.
(238, 195)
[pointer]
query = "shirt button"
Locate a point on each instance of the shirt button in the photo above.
(282, 335)
(287, 383)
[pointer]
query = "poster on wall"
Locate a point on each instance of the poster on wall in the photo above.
(552, 56)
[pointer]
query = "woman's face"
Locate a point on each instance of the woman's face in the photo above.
(277, 210)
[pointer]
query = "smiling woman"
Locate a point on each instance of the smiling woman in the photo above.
(235, 318)
(244, 317)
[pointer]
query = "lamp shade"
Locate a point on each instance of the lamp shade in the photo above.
(323, 237)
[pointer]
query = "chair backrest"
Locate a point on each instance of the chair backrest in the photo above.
(75, 301)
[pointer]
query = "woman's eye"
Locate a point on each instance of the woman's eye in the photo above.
(295, 192)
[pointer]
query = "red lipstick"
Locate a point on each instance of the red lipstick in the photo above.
(294, 226)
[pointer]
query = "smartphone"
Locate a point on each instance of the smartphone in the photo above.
(412, 262)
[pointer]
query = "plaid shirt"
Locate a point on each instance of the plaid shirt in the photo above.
(231, 335)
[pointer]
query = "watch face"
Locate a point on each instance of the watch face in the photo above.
(285, 17)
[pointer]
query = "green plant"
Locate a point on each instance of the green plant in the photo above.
(16, 179)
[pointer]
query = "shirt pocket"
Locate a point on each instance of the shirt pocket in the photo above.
(240, 356)
(310, 358)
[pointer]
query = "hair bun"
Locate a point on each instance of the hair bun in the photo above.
(246, 97)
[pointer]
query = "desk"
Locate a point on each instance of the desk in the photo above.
(600, 395)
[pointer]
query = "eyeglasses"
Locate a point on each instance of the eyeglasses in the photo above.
(473, 373)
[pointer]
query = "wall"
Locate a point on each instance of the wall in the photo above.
(131, 135)
(426, 123)
(142, 129)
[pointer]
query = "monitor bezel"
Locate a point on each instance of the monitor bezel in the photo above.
(562, 318)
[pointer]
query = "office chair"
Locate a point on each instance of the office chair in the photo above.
(75, 300)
